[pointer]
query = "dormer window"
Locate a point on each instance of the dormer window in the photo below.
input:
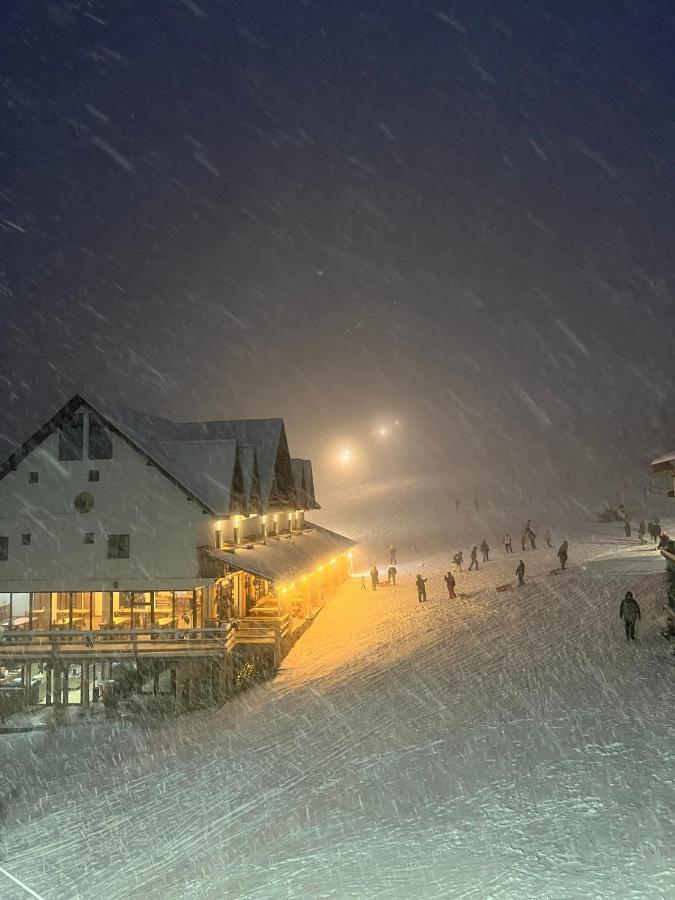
(94, 475)
(33, 478)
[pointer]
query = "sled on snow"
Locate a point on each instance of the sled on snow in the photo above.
(505, 587)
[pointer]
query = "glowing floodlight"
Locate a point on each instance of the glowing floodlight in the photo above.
(346, 456)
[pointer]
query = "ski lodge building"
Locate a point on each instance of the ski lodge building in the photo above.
(169, 552)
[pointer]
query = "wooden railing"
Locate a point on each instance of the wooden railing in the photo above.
(118, 640)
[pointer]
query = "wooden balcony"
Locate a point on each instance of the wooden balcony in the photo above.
(117, 643)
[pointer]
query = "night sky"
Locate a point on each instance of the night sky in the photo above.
(458, 214)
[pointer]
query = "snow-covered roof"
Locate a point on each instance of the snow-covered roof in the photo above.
(205, 467)
(663, 460)
(227, 466)
(281, 559)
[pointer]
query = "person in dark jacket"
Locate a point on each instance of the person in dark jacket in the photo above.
(392, 556)
(629, 611)
(450, 582)
(458, 559)
(641, 531)
(421, 585)
(391, 575)
(562, 554)
(374, 578)
(520, 572)
(626, 526)
(485, 550)
(474, 559)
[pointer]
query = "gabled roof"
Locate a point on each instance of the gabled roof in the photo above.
(304, 483)
(226, 466)
(207, 468)
(268, 436)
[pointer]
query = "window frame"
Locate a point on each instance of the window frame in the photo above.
(115, 554)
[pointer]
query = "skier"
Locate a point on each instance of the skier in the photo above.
(474, 558)
(641, 531)
(532, 537)
(458, 559)
(547, 538)
(520, 572)
(485, 550)
(629, 611)
(450, 582)
(374, 578)
(421, 588)
(507, 543)
(391, 575)
(562, 555)
(392, 556)
(626, 526)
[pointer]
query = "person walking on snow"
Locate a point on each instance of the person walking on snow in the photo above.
(421, 583)
(547, 538)
(523, 538)
(456, 505)
(520, 572)
(458, 559)
(626, 526)
(363, 582)
(532, 537)
(474, 559)
(507, 543)
(641, 531)
(392, 556)
(562, 555)
(374, 578)
(629, 611)
(450, 582)
(391, 575)
(485, 550)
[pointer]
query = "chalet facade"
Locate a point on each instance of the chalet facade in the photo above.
(131, 543)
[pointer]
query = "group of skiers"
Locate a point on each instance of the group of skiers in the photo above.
(629, 610)
(654, 530)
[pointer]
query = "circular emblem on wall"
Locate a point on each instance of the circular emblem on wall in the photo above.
(84, 502)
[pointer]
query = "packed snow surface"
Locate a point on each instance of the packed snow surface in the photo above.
(505, 744)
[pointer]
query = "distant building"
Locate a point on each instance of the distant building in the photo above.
(166, 546)
(663, 470)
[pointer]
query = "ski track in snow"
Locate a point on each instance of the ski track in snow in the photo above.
(502, 745)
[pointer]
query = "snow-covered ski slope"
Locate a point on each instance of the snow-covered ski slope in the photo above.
(502, 745)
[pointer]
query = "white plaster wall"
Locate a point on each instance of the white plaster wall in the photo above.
(131, 497)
